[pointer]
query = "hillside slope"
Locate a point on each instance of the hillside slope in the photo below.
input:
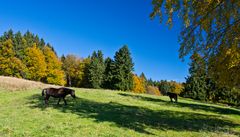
(14, 84)
(113, 113)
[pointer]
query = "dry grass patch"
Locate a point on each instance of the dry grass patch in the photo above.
(17, 84)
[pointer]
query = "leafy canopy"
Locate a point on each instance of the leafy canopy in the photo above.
(208, 26)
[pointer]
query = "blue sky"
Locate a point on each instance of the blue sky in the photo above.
(81, 26)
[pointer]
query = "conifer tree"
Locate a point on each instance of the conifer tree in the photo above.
(144, 80)
(19, 44)
(196, 84)
(108, 74)
(123, 67)
(96, 70)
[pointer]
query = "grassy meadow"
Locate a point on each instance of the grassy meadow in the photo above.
(112, 113)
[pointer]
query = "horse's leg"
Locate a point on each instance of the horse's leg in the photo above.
(176, 99)
(59, 101)
(65, 102)
(46, 99)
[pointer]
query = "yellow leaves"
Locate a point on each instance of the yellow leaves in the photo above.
(35, 62)
(56, 77)
(55, 74)
(226, 63)
(10, 65)
(177, 87)
(139, 86)
(153, 90)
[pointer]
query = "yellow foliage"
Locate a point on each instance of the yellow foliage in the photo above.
(10, 65)
(54, 72)
(176, 87)
(139, 86)
(153, 90)
(227, 64)
(35, 62)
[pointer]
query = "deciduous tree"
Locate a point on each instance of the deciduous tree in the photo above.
(138, 84)
(209, 26)
(35, 62)
(54, 72)
(9, 64)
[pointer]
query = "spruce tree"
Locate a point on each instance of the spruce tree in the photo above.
(196, 84)
(144, 80)
(96, 70)
(123, 67)
(108, 74)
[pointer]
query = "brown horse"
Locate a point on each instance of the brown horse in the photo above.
(60, 93)
(172, 96)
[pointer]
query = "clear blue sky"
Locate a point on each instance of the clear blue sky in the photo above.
(81, 26)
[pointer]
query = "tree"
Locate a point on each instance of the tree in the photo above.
(19, 44)
(29, 37)
(123, 67)
(144, 80)
(9, 64)
(227, 65)
(164, 87)
(35, 62)
(96, 70)
(196, 84)
(176, 87)
(209, 25)
(108, 74)
(153, 90)
(55, 74)
(70, 65)
(83, 73)
(138, 83)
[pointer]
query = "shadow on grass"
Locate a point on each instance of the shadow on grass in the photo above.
(203, 107)
(138, 118)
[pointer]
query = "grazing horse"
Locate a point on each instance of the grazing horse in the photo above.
(60, 93)
(172, 95)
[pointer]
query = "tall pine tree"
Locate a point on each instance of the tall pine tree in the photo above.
(96, 70)
(196, 84)
(108, 74)
(123, 67)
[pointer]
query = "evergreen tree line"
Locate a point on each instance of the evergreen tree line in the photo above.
(200, 86)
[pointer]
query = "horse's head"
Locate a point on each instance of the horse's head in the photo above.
(72, 93)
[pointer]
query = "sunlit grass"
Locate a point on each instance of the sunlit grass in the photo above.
(111, 113)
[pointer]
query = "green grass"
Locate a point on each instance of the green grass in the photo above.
(111, 113)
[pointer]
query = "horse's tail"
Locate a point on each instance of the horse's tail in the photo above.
(43, 91)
